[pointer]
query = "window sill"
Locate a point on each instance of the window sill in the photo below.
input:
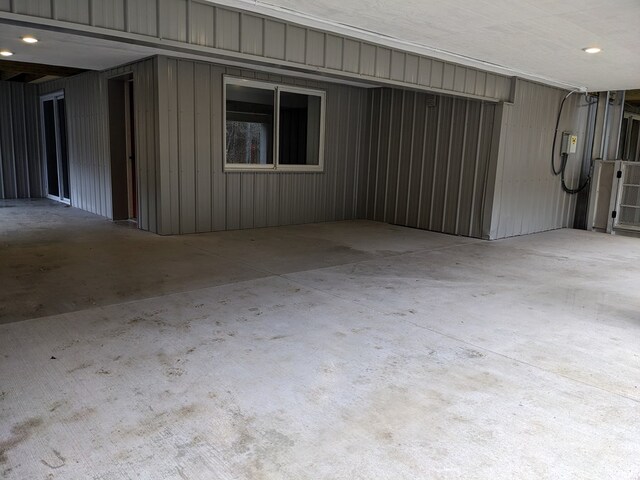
(272, 169)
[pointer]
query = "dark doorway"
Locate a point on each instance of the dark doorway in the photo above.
(122, 148)
(54, 140)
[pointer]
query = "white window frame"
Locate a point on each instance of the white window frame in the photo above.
(276, 88)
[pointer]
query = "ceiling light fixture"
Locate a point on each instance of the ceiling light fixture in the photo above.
(6, 53)
(29, 39)
(592, 49)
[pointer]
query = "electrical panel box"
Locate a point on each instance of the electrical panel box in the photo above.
(569, 143)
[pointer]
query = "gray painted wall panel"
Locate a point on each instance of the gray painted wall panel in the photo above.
(351, 55)
(528, 198)
(397, 65)
(427, 162)
(190, 22)
(77, 11)
(383, 62)
(411, 68)
(333, 52)
(227, 30)
(37, 8)
(367, 59)
(437, 74)
(173, 19)
(87, 127)
(295, 44)
(86, 102)
(5, 5)
(142, 17)
(246, 199)
(109, 14)
(252, 34)
(274, 39)
(202, 28)
(315, 48)
(202, 142)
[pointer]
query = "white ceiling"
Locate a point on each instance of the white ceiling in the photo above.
(62, 49)
(540, 39)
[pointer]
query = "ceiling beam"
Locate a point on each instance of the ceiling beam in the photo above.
(37, 68)
(6, 76)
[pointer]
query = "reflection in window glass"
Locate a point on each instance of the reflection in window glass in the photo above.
(299, 142)
(249, 124)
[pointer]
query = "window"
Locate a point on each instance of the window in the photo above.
(272, 127)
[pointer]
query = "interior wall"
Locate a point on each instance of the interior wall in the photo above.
(87, 108)
(428, 160)
(528, 198)
(196, 195)
(21, 173)
(88, 140)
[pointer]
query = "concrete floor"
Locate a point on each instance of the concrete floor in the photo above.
(351, 350)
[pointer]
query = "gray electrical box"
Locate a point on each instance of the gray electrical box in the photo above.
(569, 143)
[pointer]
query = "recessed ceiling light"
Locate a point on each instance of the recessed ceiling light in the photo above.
(6, 53)
(592, 49)
(29, 39)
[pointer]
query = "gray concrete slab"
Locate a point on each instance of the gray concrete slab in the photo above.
(351, 350)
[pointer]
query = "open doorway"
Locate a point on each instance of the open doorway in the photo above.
(54, 141)
(122, 148)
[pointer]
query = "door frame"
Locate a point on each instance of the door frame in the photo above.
(44, 98)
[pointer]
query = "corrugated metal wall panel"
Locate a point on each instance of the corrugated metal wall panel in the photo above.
(227, 30)
(109, 14)
(274, 39)
(76, 11)
(20, 170)
(252, 34)
(295, 49)
(86, 101)
(201, 197)
(202, 26)
(87, 145)
(173, 20)
(315, 48)
(427, 162)
(528, 197)
(142, 17)
(37, 8)
(242, 33)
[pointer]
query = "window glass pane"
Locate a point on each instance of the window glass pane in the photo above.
(299, 129)
(249, 123)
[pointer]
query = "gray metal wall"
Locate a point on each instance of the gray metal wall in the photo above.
(195, 195)
(528, 198)
(20, 166)
(86, 102)
(427, 161)
(222, 32)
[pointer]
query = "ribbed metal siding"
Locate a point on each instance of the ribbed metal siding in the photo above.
(86, 102)
(197, 196)
(20, 170)
(226, 31)
(427, 161)
(528, 198)
(87, 140)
